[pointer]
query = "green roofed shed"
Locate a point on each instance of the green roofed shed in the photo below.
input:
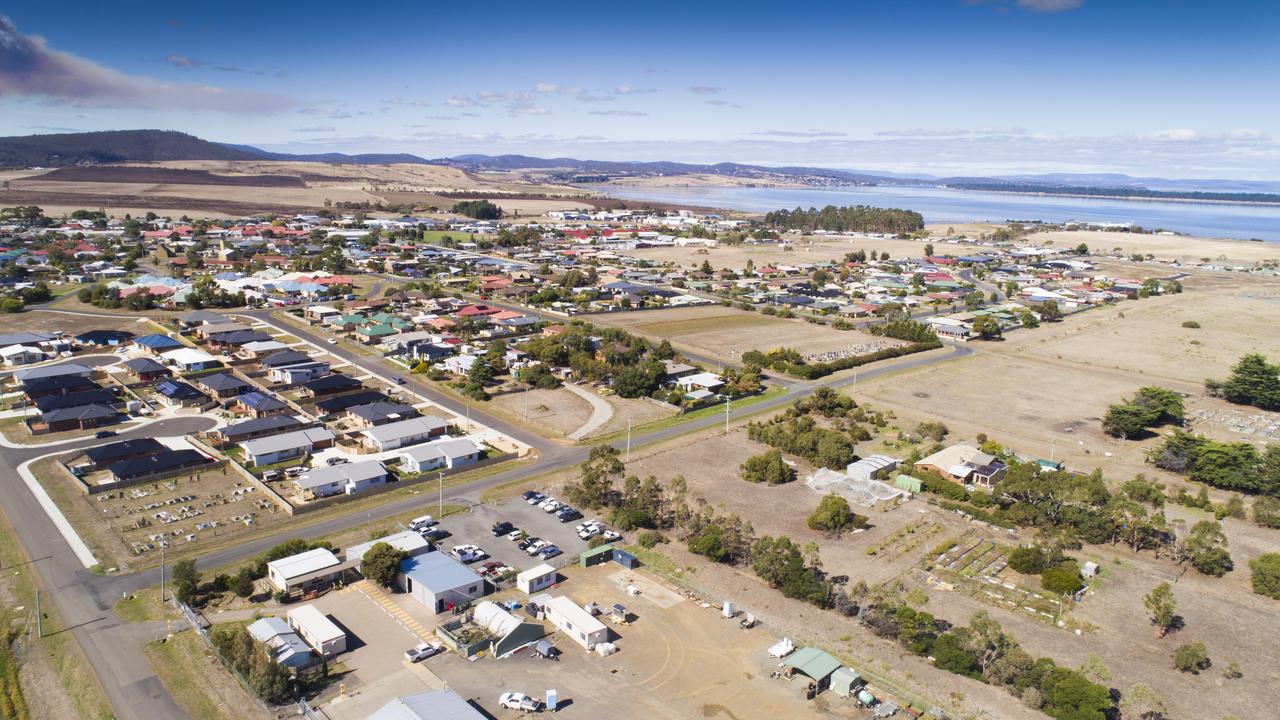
(846, 681)
(595, 556)
(908, 483)
(814, 664)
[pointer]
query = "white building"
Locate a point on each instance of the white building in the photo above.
(406, 541)
(21, 355)
(404, 433)
(451, 453)
(439, 582)
(872, 467)
(536, 579)
(351, 478)
(572, 620)
(190, 359)
(286, 573)
(317, 630)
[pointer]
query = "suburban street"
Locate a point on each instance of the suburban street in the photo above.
(84, 599)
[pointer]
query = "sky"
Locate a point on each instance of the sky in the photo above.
(1164, 88)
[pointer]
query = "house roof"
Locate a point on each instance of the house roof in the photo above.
(53, 371)
(124, 448)
(381, 410)
(260, 401)
(350, 472)
(437, 705)
(58, 382)
(257, 425)
(285, 357)
(286, 441)
(138, 366)
(149, 464)
(338, 404)
(304, 563)
(187, 356)
(222, 381)
(83, 412)
(405, 540)
(315, 623)
(405, 428)
(331, 382)
(156, 341)
(97, 396)
(177, 390)
(437, 572)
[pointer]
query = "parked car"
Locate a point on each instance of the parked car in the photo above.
(270, 475)
(519, 701)
(611, 535)
(535, 548)
(547, 500)
(494, 569)
(514, 535)
(435, 534)
(422, 651)
(399, 380)
(551, 506)
(533, 498)
(501, 528)
(336, 461)
(333, 341)
(422, 523)
(549, 551)
(568, 514)
(104, 434)
(468, 553)
(525, 543)
(586, 532)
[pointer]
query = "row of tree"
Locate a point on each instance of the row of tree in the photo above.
(854, 218)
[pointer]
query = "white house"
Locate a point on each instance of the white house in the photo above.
(287, 573)
(351, 478)
(700, 381)
(404, 433)
(439, 582)
(190, 359)
(278, 448)
(451, 453)
(282, 642)
(572, 620)
(317, 630)
(872, 467)
(21, 355)
(536, 579)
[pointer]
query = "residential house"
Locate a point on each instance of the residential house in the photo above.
(331, 385)
(378, 413)
(448, 453)
(965, 464)
(305, 570)
(221, 385)
(103, 456)
(286, 446)
(349, 479)
(190, 360)
(157, 343)
(180, 394)
(325, 637)
(58, 385)
(14, 355)
(145, 370)
(256, 428)
(300, 373)
(404, 433)
(140, 468)
(284, 646)
(260, 404)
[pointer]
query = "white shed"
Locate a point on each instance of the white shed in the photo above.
(536, 579)
(318, 630)
(573, 621)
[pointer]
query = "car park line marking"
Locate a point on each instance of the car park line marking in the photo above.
(402, 618)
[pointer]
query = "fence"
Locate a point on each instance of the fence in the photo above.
(198, 627)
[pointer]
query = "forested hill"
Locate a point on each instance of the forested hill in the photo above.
(855, 218)
(112, 146)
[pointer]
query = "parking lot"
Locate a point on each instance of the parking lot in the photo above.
(473, 527)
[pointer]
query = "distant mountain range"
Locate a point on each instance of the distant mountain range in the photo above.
(159, 145)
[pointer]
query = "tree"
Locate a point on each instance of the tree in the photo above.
(1028, 560)
(596, 477)
(478, 209)
(1253, 381)
(186, 581)
(834, 515)
(986, 327)
(1266, 511)
(1160, 605)
(1266, 575)
(768, 467)
(381, 563)
(1068, 695)
(1206, 548)
(1124, 421)
(1049, 311)
(243, 584)
(928, 250)
(1192, 657)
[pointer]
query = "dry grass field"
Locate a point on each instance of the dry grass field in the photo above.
(725, 333)
(1186, 249)
(554, 413)
(800, 251)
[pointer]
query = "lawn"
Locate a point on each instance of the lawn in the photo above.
(198, 681)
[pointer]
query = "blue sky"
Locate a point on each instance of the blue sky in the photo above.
(1172, 88)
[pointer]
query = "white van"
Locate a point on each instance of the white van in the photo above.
(421, 523)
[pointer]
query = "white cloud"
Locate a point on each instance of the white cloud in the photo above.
(705, 89)
(724, 103)
(29, 68)
(628, 90)
(315, 129)
(1049, 6)
(620, 113)
(801, 133)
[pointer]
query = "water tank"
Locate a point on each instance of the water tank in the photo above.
(728, 609)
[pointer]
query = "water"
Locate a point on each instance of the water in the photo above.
(939, 205)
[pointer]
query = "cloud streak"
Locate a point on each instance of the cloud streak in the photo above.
(29, 68)
(620, 113)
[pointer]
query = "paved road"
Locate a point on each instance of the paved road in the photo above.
(114, 649)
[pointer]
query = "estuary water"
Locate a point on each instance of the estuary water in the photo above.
(940, 205)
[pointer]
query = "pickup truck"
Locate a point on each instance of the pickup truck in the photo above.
(422, 651)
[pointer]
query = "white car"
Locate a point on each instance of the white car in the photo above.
(333, 341)
(544, 502)
(468, 553)
(515, 535)
(520, 701)
(422, 651)
(536, 547)
(589, 531)
(611, 535)
(552, 506)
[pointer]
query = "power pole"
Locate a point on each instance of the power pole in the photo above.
(39, 619)
(728, 407)
(440, 511)
(526, 404)
(162, 574)
(628, 440)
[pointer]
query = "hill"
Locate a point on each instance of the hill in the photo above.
(111, 146)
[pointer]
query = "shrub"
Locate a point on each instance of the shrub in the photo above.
(1063, 578)
(381, 563)
(650, 538)
(1266, 575)
(833, 515)
(1191, 325)
(1028, 560)
(769, 468)
(1192, 657)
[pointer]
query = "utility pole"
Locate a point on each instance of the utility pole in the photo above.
(628, 440)
(162, 573)
(39, 620)
(526, 404)
(728, 407)
(440, 511)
